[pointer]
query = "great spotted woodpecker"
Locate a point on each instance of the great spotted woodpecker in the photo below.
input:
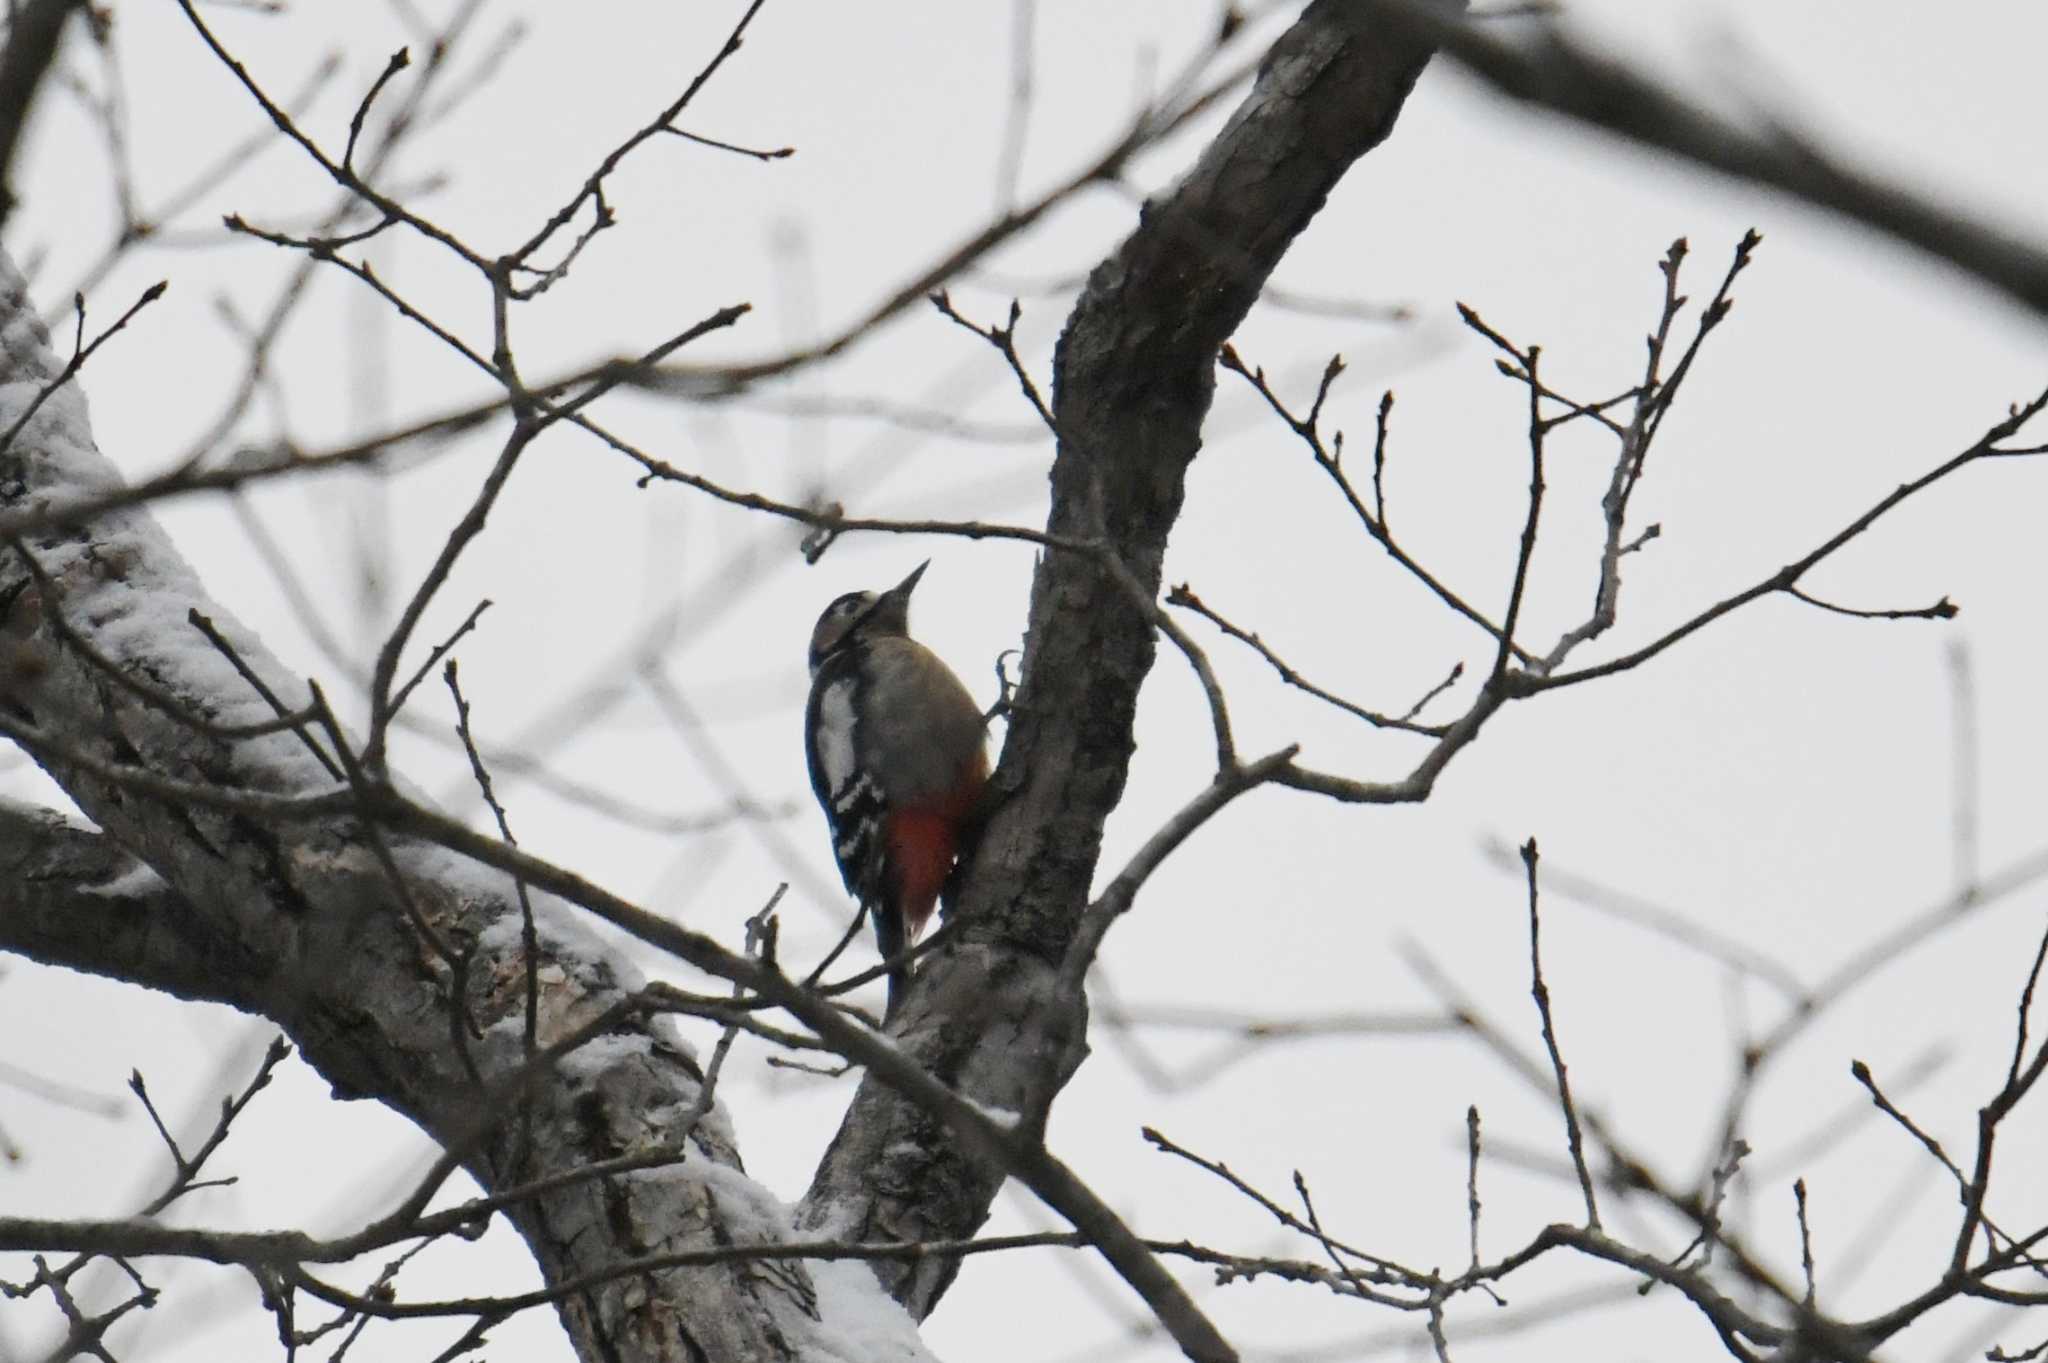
(897, 759)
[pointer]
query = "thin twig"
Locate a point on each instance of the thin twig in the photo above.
(437, 653)
(1472, 1177)
(1004, 339)
(529, 941)
(297, 720)
(1330, 461)
(81, 351)
(1943, 609)
(1805, 1238)
(1541, 993)
(1183, 596)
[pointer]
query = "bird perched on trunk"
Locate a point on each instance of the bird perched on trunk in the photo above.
(897, 760)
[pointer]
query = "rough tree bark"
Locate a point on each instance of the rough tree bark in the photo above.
(77, 898)
(1133, 378)
(296, 920)
(299, 920)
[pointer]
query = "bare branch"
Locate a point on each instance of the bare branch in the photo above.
(1117, 897)
(81, 351)
(1987, 447)
(33, 31)
(1184, 597)
(1548, 68)
(1541, 993)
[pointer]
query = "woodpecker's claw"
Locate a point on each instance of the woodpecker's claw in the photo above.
(1005, 688)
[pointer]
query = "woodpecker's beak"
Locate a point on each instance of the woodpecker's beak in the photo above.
(902, 590)
(892, 608)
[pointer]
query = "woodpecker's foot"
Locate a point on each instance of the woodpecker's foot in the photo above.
(1005, 689)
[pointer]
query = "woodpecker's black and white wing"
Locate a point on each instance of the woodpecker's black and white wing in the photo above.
(853, 803)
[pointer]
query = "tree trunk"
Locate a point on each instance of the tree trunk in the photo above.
(1133, 378)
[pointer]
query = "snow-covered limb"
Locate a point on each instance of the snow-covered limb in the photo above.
(299, 921)
(73, 897)
(398, 970)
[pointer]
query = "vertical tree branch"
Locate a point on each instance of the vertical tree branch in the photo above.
(1133, 379)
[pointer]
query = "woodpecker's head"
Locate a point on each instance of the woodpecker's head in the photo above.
(863, 615)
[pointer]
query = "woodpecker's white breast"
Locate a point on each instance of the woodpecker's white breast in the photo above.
(833, 738)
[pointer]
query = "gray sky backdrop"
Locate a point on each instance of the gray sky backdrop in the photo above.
(1784, 779)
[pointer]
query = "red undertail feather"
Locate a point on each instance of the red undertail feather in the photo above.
(922, 842)
(921, 845)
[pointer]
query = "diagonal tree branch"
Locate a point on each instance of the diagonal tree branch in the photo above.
(1134, 376)
(337, 933)
(1548, 69)
(73, 897)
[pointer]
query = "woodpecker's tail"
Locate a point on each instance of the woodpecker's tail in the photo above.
(892, 941)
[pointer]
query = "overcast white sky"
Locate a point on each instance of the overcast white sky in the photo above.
(1784, 779)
